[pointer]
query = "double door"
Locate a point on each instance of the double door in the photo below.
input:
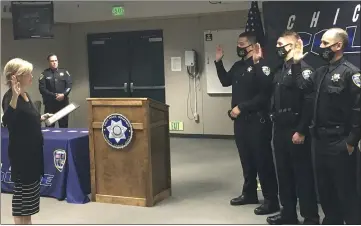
(127, 64)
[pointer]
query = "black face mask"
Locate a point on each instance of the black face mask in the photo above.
(242, 52)
(326, 53)
(282, 52)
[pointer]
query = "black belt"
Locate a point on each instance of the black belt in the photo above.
(284, 110)
(284, 114)
(247, 116)
(328, 132)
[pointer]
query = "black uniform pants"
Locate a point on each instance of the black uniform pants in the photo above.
(253, 140)
(359, 174)
(295, 174)
(53, 107)
(336, 182)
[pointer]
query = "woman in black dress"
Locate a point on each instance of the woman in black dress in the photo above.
(25, 140)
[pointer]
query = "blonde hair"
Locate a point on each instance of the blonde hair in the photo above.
(17, 67)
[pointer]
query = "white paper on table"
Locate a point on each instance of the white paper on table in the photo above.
(60, 114)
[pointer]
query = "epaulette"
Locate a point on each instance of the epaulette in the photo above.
(351, 66)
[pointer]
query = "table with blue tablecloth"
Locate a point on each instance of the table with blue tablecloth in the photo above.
(66, 164)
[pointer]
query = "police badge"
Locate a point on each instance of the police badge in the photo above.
(59, 159)
(306, 73)
(335, 77)
(117, 131)
(266, 70)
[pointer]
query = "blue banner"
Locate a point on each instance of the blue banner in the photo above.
(311, 19)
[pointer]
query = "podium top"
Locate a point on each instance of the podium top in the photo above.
(143, 99)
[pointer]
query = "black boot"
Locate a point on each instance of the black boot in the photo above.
(311, 221)
(279, 220)
(244, 200)
(268, 207)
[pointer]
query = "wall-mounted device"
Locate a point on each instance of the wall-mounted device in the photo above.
(190, 58)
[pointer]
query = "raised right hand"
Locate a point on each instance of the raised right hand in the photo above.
(298, 54)
(219, 53)
(15, 86)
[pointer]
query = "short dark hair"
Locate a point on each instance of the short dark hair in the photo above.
(50, 55)
(251, 37)
(290, 33)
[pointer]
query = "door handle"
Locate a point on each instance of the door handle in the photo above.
(147, 87)
(107, 88)
(131, 87)
(125, 87)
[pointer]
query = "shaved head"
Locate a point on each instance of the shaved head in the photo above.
(335, 35)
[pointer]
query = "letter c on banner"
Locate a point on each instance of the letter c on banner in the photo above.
(291, 22)
(355, 14)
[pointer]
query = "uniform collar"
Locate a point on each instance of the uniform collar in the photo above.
(288, 63)
(53, 70)
(335, 64)
(249, 61)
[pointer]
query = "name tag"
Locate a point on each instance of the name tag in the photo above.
(48, 77)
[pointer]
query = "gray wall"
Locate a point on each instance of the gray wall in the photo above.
(180, 34)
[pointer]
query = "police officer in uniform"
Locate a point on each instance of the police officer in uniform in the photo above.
(292, 144)
(251, 85)
(359, 173)
(336, 130)
(55, 85)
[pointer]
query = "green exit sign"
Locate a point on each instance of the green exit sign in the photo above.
(176, 126)
(118, 11)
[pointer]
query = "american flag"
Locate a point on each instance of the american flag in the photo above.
(254, 23)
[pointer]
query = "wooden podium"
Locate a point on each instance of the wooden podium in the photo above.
(140, 173)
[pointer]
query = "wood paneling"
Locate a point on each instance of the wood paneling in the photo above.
(139, 174)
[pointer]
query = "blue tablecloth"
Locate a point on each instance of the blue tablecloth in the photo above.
(66, 163)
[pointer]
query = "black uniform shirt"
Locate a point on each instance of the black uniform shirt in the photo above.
(251, 84)
(288, 102)
(54, 81)
(336, 93)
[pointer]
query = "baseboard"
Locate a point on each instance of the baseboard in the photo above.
(202, 136)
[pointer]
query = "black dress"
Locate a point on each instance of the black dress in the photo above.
(25, 153)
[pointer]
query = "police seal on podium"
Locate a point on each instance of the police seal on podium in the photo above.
(117, 131)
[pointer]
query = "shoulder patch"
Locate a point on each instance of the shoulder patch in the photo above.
(266, 70)
(356, 80)
(41, 76)
(306, 73)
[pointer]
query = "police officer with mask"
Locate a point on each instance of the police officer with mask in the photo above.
(336, 129)
(55, 85)
(251, 84)
(292, 144)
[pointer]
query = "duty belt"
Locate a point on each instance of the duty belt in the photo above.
(247, 116)
(328, 132)
(256, 114)
(283, 115)
(284, 110)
